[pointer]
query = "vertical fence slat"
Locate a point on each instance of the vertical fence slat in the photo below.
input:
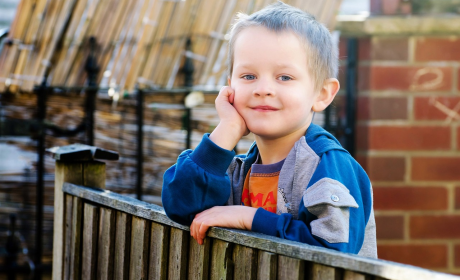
(65, 172)
(178, 254)
(106, 244)
(75, 243)
(122, 246)
(351, 275)
(289, 268)
(140, 235)
(89, 248)
(267, 266)
(199, 259)
(221, 260)
(67, 236)
(322, 272)
(245, 260)
(159, 246)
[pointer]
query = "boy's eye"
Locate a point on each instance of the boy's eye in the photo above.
(249, 77)
(284, 78)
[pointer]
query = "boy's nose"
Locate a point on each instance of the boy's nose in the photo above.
(263, 89)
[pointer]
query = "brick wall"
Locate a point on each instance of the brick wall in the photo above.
(408, 140)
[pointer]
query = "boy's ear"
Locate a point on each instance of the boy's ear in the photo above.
(326, 95)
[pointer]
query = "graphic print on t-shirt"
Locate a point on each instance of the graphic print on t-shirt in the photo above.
(261, 186)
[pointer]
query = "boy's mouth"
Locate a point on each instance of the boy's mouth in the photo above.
(264, 108)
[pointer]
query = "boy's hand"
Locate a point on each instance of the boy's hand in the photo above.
(239, 217)
(231, 126)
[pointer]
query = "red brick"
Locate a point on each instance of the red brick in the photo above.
(389, 227)
(435, 169)
(375, 7)
(435, 227)
(362, 109)
(343, 42)
(432, 49)
(388, 108)
(457, 255)
(458, 80)
(364, 49)
(410, 198)
(437, 108)
(427, 256)
(364, 76)
(410, 138)
(411, 78)
(390, 7)
(381, 108)
(386, 168)
(362, 160)
(458, 138)
(457, 197)
(390, 48)
(362, 137)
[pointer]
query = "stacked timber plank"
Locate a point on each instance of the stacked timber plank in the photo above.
(138, 42)
(115, 129)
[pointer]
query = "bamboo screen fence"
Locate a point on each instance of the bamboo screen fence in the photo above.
(138, 42)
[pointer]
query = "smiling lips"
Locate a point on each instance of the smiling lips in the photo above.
(264, 108)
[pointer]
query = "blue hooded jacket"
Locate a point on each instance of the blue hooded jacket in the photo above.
(324, 195)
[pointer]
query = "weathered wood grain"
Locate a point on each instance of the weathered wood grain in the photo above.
(89, 246)
(106, 244)
(245, 260)
(322, 272)
(178, 254)
(267, 266)
(198, 267)
(123, 203)
(67, 240)
(140, 234)
(122, 246)
(75, 244)
(159, 251)
(290, 268)
(94, 174)
(351, 275)
(65, 172)
(221, 260)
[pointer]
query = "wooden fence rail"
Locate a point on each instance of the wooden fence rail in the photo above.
(105, 235)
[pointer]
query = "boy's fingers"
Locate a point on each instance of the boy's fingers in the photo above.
(202, 231)
(192, 228)
(226, 92)
(231, 98)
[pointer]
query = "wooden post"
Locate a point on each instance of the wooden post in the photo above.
(74, 164)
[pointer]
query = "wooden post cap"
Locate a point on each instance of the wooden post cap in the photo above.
(81, 152)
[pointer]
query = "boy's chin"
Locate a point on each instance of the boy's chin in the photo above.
(267, 135)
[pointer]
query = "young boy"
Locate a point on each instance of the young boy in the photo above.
(296, 181)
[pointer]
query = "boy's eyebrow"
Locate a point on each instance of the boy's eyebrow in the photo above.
(280, 65)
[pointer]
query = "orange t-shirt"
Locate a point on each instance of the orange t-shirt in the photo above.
(261, 186)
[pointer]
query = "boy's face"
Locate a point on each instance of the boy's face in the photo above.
(274, 91)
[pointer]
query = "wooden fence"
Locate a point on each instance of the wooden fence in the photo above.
(100, 234)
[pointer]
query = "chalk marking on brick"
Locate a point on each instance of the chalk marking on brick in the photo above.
(452, 114)
(428, 85)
